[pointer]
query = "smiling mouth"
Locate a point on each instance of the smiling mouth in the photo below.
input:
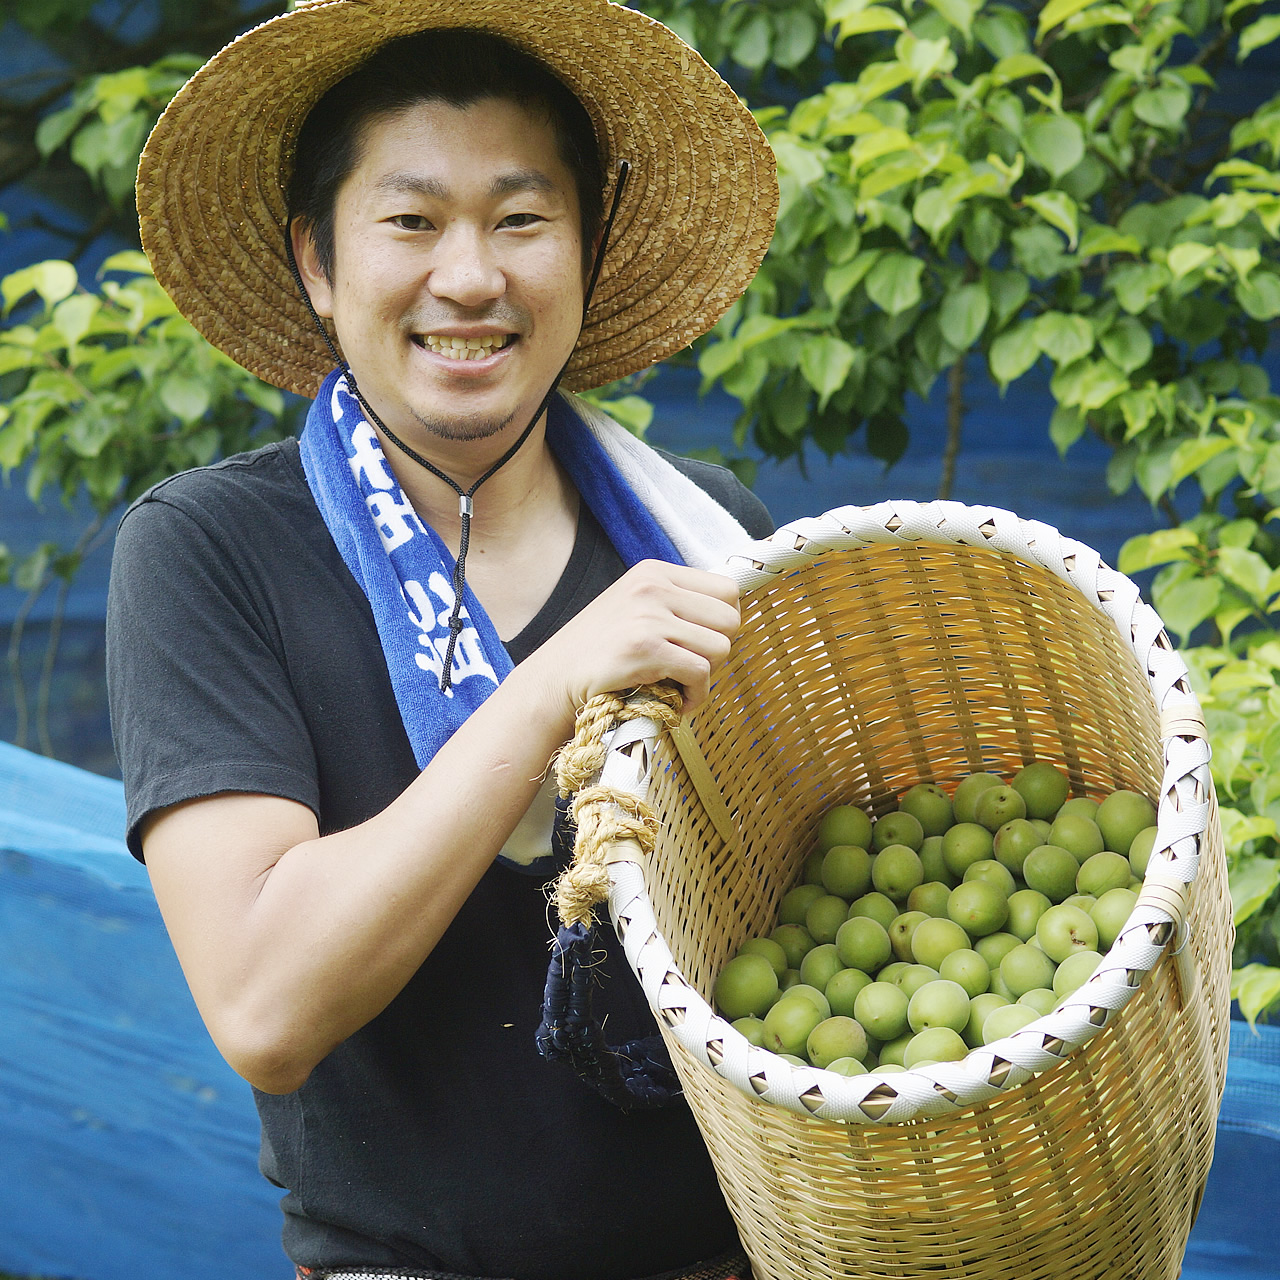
(464, 348)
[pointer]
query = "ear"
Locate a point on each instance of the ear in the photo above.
(317, 283)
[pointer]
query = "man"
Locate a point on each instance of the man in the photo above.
(339, 668)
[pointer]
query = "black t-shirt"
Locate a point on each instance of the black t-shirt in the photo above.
(242, 656)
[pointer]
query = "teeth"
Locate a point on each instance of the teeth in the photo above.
(463, 348)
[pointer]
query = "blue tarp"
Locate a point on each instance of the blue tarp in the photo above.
(128, 1148)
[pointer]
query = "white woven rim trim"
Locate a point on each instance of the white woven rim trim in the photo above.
(1183, 815)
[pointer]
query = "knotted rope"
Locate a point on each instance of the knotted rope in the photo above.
(604, 814)
(637, 1074)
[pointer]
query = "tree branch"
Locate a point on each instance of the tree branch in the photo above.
(955, 420)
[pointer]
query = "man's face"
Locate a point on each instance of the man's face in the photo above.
(457, 283)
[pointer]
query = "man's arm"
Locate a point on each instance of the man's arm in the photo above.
(291, 941)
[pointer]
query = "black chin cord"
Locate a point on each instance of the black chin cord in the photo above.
(465, 496)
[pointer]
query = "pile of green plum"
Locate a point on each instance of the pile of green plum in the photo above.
(947, 924)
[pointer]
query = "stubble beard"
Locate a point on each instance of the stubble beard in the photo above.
(463, 430)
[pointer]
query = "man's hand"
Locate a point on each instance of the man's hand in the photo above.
(657, 622)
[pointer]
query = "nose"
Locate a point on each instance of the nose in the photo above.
(465, 269)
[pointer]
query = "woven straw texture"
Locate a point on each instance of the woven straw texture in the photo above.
(694, 223)
(881, 647)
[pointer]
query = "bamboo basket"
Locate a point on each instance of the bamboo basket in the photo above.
(921, 642)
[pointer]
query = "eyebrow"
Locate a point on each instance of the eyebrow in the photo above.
(404, 183)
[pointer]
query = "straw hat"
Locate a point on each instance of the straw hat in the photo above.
(693, 226)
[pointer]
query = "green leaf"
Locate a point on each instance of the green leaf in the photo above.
(73, 316)
(1247, 570)
(1191, 455)
(1254, 36)
(186, 398)
(1013, 352)
(1018, 66)
(864, 21)
(1136, 284)
(1255, 988)
(839, 282)
(1186, 604)
(1008, 291)
(1146, 550)
(795, 34)
(893, 284)
(1088, 384)
(1127, 344)
(1164, 106)
(52, 280)
(964, 314)
(1059, 210)
(1259, 295)
(130, 260)
(57, 127)
(1055, 143)
(1057, 11)
(1099, 239)
(959, 13)
(825, 361)
(1066, 426)
(1253, 880)
(753, 42)
(1063, 338)
(1187, 257)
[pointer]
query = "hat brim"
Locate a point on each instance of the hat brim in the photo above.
(695, 220)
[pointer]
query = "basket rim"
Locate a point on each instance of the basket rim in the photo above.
(1158, 921)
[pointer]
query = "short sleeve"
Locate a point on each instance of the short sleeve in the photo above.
(200, 700)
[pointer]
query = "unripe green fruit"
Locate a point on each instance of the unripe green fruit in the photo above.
(935, 939)
(1051, 870)
(1140, 850)
(789, 979)
(930, 806)
(1063, 930)
(1074, 972)
(978, 908)
(1102, 872)
(747, 987)
(1024, 969)
(1111, 913)
(847, 1067)
(835, 1037)
(894, 971)
(846, 871)
(1000, 987)
(820, 965)
(795, 1059)
(969, 969)
(863, 943)
(1077, 835)
(964, 844)
(1079, 806)
(966, 794)
(881, 1008)
(843, 990)
(994, 947)
(939, 1004)
(771, 951)
(811, 872)
(844, 824)
(915, 977)
(876, 907)
(934, 864)
(1121, 816)
(796, 902)
(897, 828)
(1025, 909)
(979, 1007)
(1043, 787)
(805, 991)
(752, 1028)
(891, 1053)
(896, 870)
(1085, 901)
(1042, 1000)
(993, 873)
(902, 930)
(934, 1044)
(1014, 841)
(795, 940)
(825, 916)
(930, 897)
(997, 805)
(1005, 1021)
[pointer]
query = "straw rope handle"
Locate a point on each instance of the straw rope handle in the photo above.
(1153, 928)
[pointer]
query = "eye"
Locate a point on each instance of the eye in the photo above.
(519, 220)
(411, 222)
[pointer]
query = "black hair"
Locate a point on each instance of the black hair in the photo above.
(458, 66)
